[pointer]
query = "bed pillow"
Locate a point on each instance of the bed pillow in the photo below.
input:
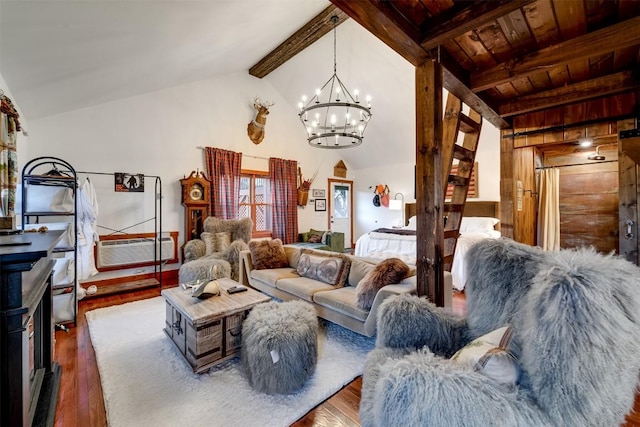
(491, 356)
(412, 223)
(475, 224)
(267, 254)
(386, 272)
(325, 267)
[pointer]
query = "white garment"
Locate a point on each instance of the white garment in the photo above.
(87, 229)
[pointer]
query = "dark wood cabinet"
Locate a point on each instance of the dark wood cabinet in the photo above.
(29, 377)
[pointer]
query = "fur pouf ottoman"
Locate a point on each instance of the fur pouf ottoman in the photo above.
(201, 269)
(280, 346)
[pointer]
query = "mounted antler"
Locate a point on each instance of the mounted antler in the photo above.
(255, 129)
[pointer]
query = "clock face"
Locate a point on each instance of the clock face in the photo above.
(196, 192)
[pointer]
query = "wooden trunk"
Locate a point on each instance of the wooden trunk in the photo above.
(208, 332)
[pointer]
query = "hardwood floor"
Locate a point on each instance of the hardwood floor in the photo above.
(80, 400)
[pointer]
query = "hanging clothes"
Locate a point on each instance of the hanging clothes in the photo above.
(87, 229)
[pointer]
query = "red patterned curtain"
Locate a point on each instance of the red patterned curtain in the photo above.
(283, 175)
(224, 169)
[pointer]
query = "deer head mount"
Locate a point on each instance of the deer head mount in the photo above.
(255, 128)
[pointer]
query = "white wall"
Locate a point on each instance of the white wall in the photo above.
(160, 134)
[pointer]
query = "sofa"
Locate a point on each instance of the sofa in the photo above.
(549, 339)
(337, 304)
(220, 244)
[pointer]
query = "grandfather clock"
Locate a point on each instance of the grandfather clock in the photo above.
(196, 196)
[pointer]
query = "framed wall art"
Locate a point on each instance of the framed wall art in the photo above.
(129, 182)
(321, 204)
(318, 193)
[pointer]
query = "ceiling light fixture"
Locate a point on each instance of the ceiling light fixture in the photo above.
(333, 118)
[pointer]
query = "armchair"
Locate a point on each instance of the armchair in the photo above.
(575, 318)
(221, 243)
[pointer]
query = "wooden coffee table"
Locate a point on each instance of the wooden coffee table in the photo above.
(209, 331)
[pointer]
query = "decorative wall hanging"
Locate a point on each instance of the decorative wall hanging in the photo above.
(340, 169)
(255, 128)
(129, 182)
(473, 182)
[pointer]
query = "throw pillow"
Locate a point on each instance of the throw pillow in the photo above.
(314, 238)
(328, 268)
(386, 272)
(266, 254)
(222, 241)
(490, 355)
(210, 244)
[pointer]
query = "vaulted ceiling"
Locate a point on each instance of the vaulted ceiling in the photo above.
(504, 58)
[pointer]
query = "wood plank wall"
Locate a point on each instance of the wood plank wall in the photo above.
(589, 193)
(588, 197)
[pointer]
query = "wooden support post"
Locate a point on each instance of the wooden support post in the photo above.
(429, 183)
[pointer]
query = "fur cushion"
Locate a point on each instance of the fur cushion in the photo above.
(387, 272)
(216, 242)
(267, 254)
(329, 268)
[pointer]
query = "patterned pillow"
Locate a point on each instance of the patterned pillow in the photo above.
(315, 236)
(490, 355)
(328, 268)
(266, 254)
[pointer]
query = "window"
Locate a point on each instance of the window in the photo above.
(255, 201)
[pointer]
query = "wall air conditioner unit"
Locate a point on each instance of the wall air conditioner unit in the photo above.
(120, 253)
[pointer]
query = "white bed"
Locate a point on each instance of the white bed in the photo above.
(473, 228)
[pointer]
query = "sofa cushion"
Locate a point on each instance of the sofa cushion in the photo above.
(267, 254)
(490, 355)
(327, 267)
(293, 255)
(342, 300)
(303, 287)
(358, 270)
(386, 272)
(272, 275)
(315, 236)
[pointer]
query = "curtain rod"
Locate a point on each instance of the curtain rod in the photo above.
(576, 164)
(243, 155)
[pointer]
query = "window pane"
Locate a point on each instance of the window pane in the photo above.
(262, 190)
(244, 211)
(260, 218)
(341, 202)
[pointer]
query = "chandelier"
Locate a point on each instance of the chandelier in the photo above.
(333, 118)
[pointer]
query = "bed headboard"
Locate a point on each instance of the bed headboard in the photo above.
(487, 209)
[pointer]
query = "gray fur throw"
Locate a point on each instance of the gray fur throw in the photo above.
(386, 272)
(576, 320)
(239, 228)
(280, 346)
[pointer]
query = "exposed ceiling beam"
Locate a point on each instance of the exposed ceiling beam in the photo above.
(373, 15)
(618, 36)
(307, 35)
(384, 22)
(455, 21)
(588, 89)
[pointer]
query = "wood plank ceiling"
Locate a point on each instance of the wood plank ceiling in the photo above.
(506, 58)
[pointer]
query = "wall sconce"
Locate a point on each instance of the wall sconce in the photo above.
(396, 204)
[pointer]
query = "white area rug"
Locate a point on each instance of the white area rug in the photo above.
(145, 380)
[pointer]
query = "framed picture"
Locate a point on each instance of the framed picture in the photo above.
(129, 182)
(317, 193)
(321, 204)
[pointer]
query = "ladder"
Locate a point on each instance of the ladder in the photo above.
(454, 123)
